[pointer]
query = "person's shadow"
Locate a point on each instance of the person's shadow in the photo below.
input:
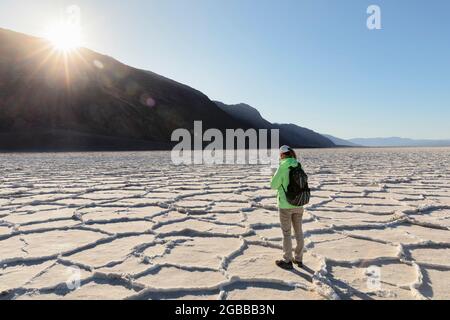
(308, 273)
(304, 275)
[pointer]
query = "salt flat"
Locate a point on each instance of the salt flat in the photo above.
(136, 227)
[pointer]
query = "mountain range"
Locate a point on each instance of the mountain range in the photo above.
(290, 134)
(341, 142)
(399, 142)
(89, 101)
(86, 100)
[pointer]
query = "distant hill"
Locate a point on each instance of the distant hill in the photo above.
(341, 142)
(91, 101)
(399, 142)
(245, 113)
(291, 134)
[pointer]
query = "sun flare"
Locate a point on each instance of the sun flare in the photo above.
(64, 37)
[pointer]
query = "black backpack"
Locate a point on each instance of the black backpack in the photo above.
(298, 192)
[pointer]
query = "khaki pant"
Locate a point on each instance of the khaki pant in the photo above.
(292, 218)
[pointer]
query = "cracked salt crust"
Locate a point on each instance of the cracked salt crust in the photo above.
(53, 276)
(264, 293)
(395, 279)
(351, 249)
(173, 277)
(124, 227)
(432, 256)
(138, 228)
(112, 251)
(201, 252)
(102, 291)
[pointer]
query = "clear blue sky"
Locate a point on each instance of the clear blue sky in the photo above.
(309, 62)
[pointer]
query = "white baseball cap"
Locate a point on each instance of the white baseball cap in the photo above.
(285, 149)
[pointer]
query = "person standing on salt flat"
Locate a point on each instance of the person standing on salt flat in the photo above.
(291, 184)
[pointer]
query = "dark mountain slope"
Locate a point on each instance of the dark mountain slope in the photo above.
(290, 134)
(46, 97)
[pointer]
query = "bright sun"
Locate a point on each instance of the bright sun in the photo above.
(64, 37)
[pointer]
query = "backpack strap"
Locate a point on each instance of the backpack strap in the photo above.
(290, 168)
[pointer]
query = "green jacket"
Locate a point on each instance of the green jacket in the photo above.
(281, 179)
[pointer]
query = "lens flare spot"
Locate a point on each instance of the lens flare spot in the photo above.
(98, 64)
(148, 101)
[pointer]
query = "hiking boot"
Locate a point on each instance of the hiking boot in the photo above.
(284, 265)
(299, 264)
